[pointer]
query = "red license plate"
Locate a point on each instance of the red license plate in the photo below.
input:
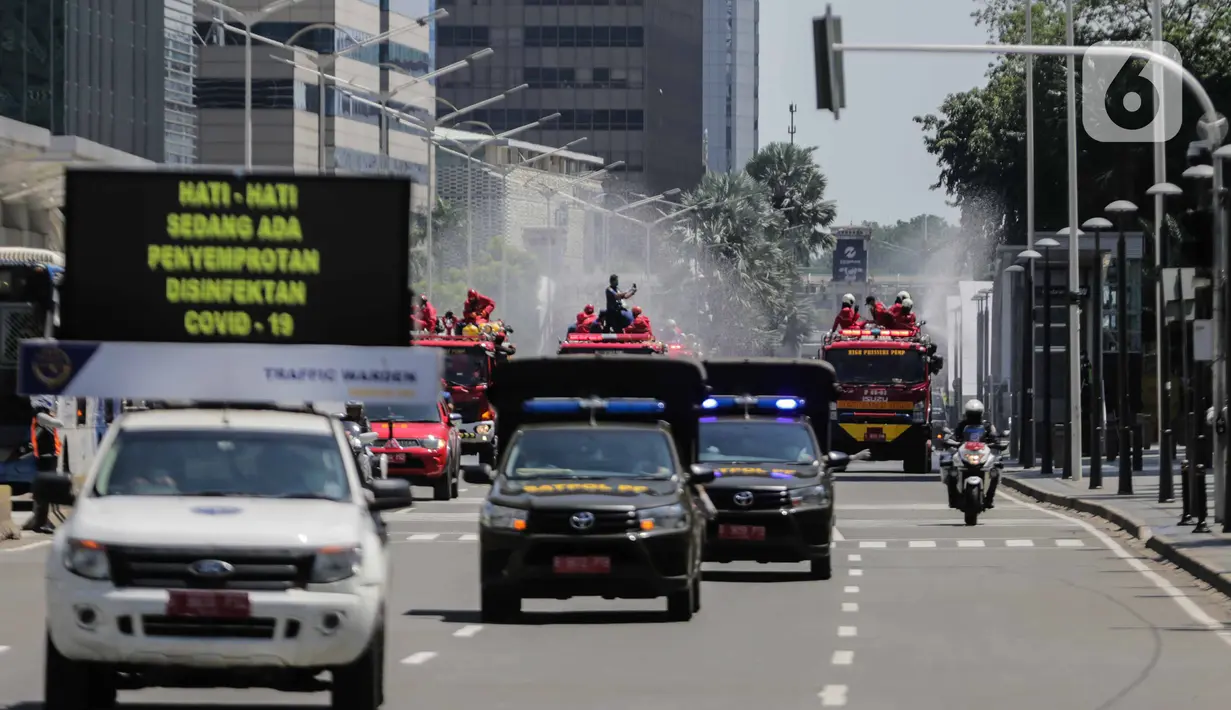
(209, 604)
(397, 458)
(590, 564)
(741, 532)
(874, 435)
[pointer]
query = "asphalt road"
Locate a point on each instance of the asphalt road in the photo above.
(1031, 608)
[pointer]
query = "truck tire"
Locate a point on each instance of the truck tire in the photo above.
(497, 606)
(487, 455)
(359, 685)
(682, 604)
(76, 685)
(443, 488)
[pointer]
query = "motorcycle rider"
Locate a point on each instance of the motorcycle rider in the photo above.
(355, 413)
(973, 417)
(640, 324)
(848, 317)
(478, 308)
(615, 318)
(905, 319)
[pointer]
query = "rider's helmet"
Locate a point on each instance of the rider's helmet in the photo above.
(354, 411)
(636, 311)
(902, 296)
(848, 301)
(907, 304)
(973, 412)
(471, 330)
(589, 309)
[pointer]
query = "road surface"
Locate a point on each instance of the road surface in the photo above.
(1032, 608)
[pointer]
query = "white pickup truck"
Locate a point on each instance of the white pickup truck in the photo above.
(219, 548)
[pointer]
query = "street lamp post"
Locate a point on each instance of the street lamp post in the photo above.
(980, 392)
(1201, 174)
(1026, 455)
(1222, 464)
(1018, 411)
(1047, 244)
(648, 225)
(1123, 210)
(1097, 225)
(1166, 484)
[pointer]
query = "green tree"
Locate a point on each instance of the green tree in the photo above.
(979, 136)
(796, 188)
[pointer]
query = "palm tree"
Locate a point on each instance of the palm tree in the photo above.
(796, 188)
(447, 220)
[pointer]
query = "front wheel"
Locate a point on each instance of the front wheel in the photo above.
(487, 455)
(821, 568)
(973, 504)
(359, 685)
(76, 685)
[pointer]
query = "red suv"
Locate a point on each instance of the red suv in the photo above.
(423, 445)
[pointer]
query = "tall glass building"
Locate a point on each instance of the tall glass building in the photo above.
(115, 72)
(730, 80)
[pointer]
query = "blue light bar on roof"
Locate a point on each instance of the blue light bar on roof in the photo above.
(788, 404)
(565, 405)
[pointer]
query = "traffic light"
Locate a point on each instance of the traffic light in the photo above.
(830, 85)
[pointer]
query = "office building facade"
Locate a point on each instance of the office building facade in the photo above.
(625, 74)
(731, 82)
(115, 72)
(287, 111)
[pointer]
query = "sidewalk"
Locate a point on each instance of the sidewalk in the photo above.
(1206, 556)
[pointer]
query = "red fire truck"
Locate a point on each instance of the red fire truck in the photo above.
(470, 361)
(884, 394)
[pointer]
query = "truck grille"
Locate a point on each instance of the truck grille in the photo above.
(184, 627)
(724, 499)
(556, 522)
(404, 443)
(169, 568)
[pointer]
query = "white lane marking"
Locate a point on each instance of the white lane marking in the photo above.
(1070, 543)
(1194, 612)
(414, 517)
(856, 573)
(468, 537)
(849, 523)
(850, 606)
(1019, 543)
(970, 543)
(866, 544)
(462, 490)
(424, 537)
(468, 631)
(851, 590)
(837, 536)
(843, 658)
(418, 659)
(922, 543)
(854, 558)
(833, 696)
(31, 546)
(895, 506)
(847, 632)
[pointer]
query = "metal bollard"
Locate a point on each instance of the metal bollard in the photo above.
(1111, 442)
(1200, 503)
(1138, 446)
(1186, 516)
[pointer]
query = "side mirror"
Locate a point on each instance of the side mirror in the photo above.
(477, 474)
(367, 437)
(53, 488)
(837, 461)
(455, 418)
(701, 475)
(390, 494)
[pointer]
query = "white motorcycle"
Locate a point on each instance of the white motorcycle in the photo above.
(972, 468)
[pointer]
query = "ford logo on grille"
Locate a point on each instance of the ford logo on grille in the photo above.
(212, 569)
(582, 521)
(743, 498)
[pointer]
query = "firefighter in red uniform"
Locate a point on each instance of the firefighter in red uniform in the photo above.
(426, 315)
(478, 308)
(640, 324)
(906, 319)
(896, 308)
(586, 319)
(848, 317)
(880, 316)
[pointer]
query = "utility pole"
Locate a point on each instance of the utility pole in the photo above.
(791, 129)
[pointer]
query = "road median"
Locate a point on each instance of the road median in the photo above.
(1206, 556)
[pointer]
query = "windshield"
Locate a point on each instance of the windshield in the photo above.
(223, 463)
(875, 366)
(974, 433)
(401, 412)
(756, 442)
(464, 367)
(590, 452)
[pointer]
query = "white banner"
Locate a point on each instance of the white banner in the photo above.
(240, 372)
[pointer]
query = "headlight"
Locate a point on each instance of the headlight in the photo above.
(811, 497)
(502, 517)
(483, 429)
(917, 414)
(334, 564)
(86, 558)
(667, 517)
(974, 459)
(431, 443)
